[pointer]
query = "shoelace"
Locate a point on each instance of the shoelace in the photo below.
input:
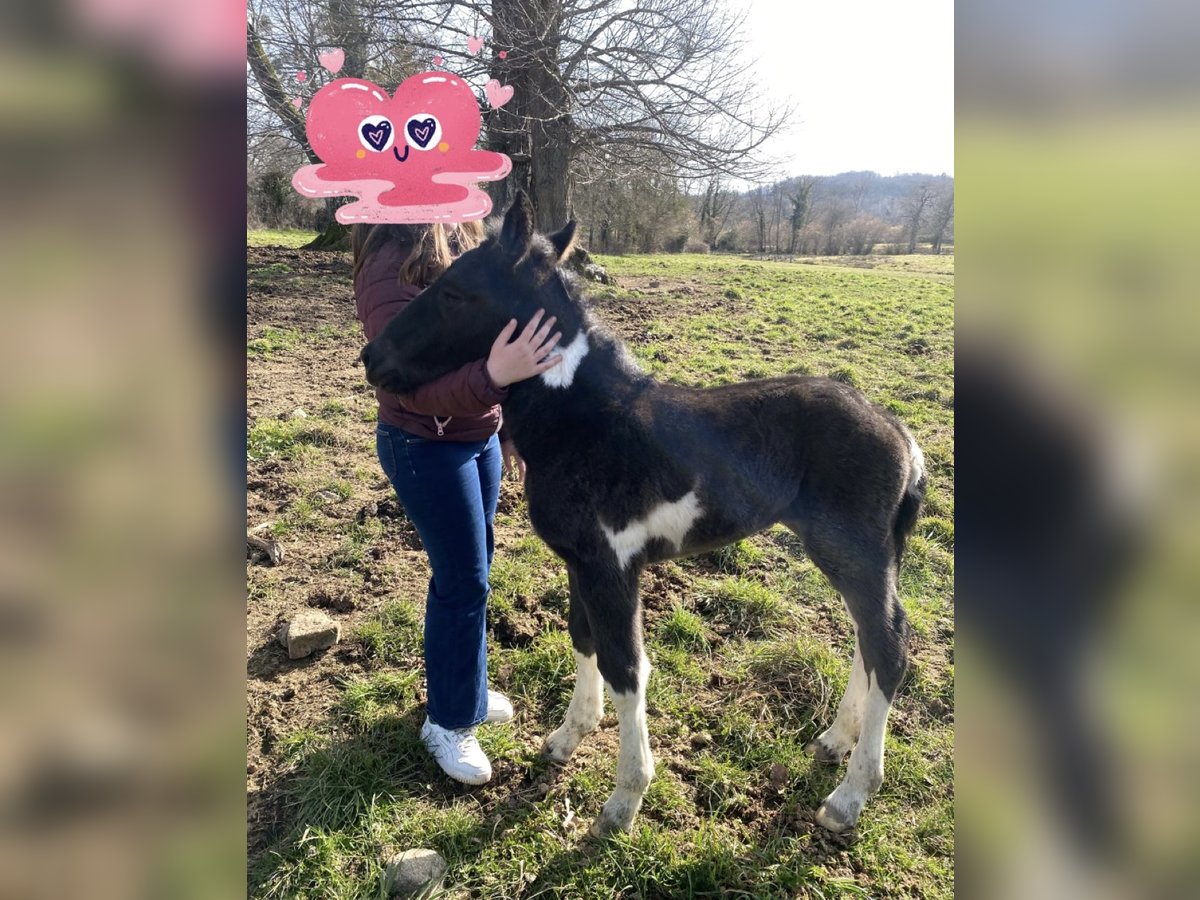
(456, 738)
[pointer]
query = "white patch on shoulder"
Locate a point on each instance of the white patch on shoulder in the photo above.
(572, 355)
(670, 521)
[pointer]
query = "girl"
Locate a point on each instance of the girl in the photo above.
(439, 448)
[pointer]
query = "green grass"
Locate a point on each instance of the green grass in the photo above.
(746, 606)
(287, 438)
(393, 635)
(751, 646)
(278, 237)
(684, 630)
(273, 341)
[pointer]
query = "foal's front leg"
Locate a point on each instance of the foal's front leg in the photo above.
(604, 599)
(635, 765)
(587, 702)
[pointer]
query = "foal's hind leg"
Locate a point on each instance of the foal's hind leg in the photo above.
(882, 645)
(587, 702)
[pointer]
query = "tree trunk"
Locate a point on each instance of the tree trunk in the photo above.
(334, 235)
(534, 127)
(551, 170)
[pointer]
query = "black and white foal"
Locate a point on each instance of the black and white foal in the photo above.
(624, 471)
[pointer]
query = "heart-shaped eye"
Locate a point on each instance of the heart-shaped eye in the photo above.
(423, 131)
(375, 133)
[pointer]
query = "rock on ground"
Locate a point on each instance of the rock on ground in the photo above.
(414, 873)
(309, 632)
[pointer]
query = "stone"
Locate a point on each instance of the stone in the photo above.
(701, 739)
(308, 632)
(414, 873)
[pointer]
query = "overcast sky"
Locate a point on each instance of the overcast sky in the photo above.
(871, 81)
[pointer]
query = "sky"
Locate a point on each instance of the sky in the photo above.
(871, 83)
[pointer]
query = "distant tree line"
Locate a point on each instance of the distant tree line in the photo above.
(854, 213)
(851, 214)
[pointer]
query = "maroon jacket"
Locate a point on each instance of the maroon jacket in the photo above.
(466, 397)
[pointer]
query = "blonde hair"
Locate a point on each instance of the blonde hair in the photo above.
(428, 249)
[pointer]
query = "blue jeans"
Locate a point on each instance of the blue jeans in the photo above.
(449, 490)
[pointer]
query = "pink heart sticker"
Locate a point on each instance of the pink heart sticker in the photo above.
(474, 45)
(437, 60)
(409, 157)
(497, 94)
(297, 102)
(302, 76)
(503, 54)
(333, 60)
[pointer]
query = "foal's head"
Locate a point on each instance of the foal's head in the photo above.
(510, 275)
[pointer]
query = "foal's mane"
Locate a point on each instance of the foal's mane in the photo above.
(542, 255)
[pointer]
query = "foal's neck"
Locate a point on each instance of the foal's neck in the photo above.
(575, 397)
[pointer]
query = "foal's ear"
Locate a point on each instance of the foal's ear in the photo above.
(564, 240)
(516, 234)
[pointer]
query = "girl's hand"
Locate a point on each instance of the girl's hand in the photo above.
(514, 466)
(525, 356)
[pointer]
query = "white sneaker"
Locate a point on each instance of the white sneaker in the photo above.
(499, 709)
(457, 752)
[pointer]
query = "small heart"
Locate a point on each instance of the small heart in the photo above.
(503, 54)
(474, 45)
(297, 102)
(422, 131)
(437, 60)
(333, 60)
(497, 94)
(377, 134)
(302, 76)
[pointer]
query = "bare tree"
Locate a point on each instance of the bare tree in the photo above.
(658, 87)
(942, 218)
(914, 211)
(860, 188)
(715, 206)
(835, 213)
(758, 209)
(800, 201)
(298, 31)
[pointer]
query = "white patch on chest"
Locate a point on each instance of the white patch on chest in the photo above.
(669, 521)
(572, 355)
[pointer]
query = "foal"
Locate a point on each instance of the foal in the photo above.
(623, 471)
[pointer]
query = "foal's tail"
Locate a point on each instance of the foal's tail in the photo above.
(914, 494)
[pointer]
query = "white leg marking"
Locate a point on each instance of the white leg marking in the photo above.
(670, 521)
(840, 737)
(584, 712)
(865, 772)
(635, 765)
(562, 375)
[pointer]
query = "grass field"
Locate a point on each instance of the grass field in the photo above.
(750, 645)
(278, 237)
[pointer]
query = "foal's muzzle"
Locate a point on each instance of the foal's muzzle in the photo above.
(369, 357)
